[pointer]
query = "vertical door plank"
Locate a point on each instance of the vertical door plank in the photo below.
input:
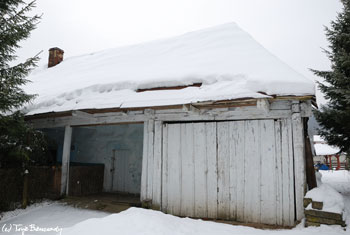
(279, 172)
(252, 172)
(200, 171)
(268, 172)
(174, 169)
(287, 177)
(187, 181)
(239, 175)
(223, 170)
(212, 183)
(233, 146)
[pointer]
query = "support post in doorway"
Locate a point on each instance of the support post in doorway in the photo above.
(65, 160)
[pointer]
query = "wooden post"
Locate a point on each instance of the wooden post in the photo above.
(338, 162)
(309, 162)
(65, 160)
(299, 160)
(330, 162)
(144, 173)
(25, 190)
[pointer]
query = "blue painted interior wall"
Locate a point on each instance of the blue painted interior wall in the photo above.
(95, 144)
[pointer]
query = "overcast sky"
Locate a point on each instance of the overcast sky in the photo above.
(293, 30)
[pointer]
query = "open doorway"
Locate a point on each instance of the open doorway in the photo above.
(118, 148)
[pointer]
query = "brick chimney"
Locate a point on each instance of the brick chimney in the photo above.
(55, 56)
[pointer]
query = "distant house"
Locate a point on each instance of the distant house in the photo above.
(208, 124)
(328, 155)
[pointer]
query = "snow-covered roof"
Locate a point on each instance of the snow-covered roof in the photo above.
(322, 148)
(228, 62)
(325, 149)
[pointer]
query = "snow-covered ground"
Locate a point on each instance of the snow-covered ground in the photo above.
(46, 215)
(141, 221)
(340, 181)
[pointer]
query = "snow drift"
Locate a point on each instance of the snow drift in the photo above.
(136, 221)
(141, 221)
(332, 200)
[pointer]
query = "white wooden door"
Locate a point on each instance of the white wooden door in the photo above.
(239, 170)
(190, 171)
(125, 178)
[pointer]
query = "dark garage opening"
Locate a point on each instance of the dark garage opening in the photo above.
(105, 164)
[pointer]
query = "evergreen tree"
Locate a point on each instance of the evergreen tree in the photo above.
(334, 117)
(18, 142)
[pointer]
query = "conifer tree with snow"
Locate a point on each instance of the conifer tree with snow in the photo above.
(19, 143)
(334, 118)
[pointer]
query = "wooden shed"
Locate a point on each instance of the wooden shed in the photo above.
(206, 125)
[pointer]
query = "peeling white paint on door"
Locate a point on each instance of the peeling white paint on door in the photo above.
(240, 170)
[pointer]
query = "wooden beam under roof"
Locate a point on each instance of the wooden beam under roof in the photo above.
(241, 102)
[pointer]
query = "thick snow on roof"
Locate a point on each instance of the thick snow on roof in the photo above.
(325, 149)
(322, 148)
(227, 60)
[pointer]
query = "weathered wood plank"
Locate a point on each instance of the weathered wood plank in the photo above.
(174, 169)
(212, 182)
(247, 169)
(200, 170)
(252, 172)
(150, 158)
(287, 173)
(268, 172)
(223, 170)
(237, 171)
(232, 140)
(299, 160)
(292, 215)
(65, 160)
(157, 166)
(280, 105)
(165, 184)
(115, 118)
(144, 173)
(187, 181)
(279, 172)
